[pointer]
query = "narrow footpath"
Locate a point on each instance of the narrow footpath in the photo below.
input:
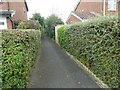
(55, 69)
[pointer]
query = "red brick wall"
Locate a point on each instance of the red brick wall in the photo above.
(9, 24)
(20, 10)
(3, 6)
(72, 19)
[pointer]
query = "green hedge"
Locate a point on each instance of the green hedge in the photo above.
(19, 53)
(0, 59)
(96, 43)
(31, 24)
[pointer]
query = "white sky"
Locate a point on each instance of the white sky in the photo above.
(46, 7)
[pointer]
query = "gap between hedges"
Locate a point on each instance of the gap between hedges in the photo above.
(95, 43)
(19, 50)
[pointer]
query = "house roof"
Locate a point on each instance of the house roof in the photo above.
(84, 15)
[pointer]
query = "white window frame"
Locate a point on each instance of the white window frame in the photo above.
(2, 23)
(112, 5)
(3, 20)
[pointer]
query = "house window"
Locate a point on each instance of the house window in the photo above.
(2, 23)
(112, 5)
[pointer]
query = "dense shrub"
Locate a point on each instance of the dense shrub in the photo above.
(19, 52)
(16, 23)
(96, 43)
(31, 24)
(0, 59)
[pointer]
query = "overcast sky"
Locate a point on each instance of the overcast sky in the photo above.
(46, 7)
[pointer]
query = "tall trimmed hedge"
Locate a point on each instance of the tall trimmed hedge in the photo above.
(96, 43)
(20, 49)
(0, 59)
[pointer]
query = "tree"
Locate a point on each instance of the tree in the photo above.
(51, 22)
(39, 18)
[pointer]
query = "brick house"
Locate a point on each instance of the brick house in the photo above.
(12, 11)
(86, 9)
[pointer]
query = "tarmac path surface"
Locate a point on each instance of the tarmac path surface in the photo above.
(55, 69)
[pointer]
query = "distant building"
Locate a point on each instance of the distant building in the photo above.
(12, 11)
(86, 9)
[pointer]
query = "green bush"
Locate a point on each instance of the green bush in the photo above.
(96, 43)
(19, 53)
(31, 24)
(0, 59)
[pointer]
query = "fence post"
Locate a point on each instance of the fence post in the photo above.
(56, 33)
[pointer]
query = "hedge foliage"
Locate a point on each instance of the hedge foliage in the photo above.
(96, 43)
(19, 53)
(31, 24)
(0, 59)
